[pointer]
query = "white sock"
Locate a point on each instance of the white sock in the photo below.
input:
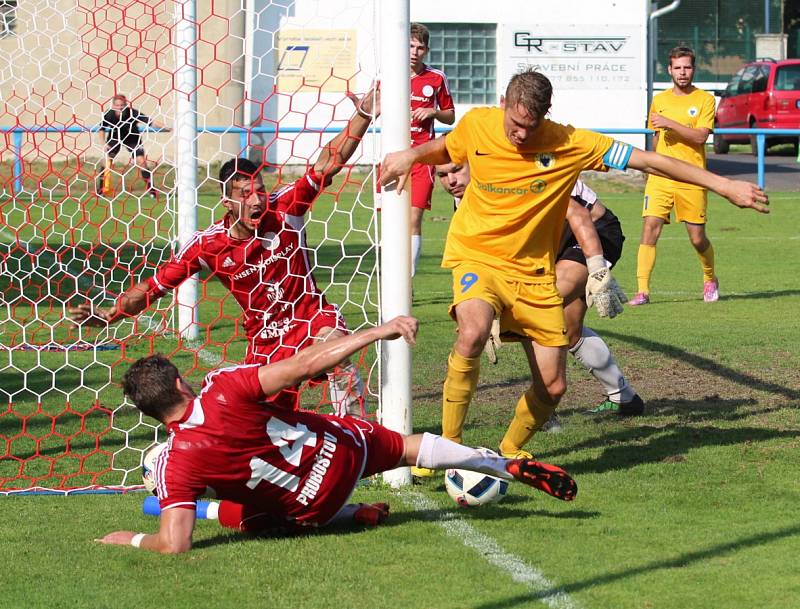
(593, 353)
(416, 249)
(347, 391)
(436, 452)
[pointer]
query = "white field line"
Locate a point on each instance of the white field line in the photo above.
(541, 588)
(210, 358)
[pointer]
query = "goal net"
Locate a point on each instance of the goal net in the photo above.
(266, 80)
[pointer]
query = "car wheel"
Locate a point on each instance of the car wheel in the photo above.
(721, 145)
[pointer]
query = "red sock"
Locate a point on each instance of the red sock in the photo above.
(247, 518)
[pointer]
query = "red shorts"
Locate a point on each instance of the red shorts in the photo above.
(421, 186)
(384, 447)
(299, 337)
(377, 448)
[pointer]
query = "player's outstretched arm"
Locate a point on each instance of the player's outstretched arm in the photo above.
(396, 167)
(580, 221)
(741, 194)
(602, 290)
(321, 357)
(338, 151)
(174, 535)
(131, 303)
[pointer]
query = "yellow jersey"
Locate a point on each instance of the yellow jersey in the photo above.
(695, 110)
(512, 213)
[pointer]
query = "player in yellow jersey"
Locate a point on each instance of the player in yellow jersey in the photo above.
(502, 243)
(683, 118)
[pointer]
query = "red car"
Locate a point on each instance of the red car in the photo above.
(765, 94)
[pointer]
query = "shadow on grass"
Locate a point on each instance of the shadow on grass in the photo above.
(681, 561)
(395, 519)
(436, 394)
(648, 444)
(760, 295)
(708, 365)
(707, 408)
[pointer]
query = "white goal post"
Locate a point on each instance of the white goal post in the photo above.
(262, 78)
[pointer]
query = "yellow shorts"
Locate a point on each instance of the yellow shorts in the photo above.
(690, 205)
(526, 310)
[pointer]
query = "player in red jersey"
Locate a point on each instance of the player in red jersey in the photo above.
(430, 101)
(280, 466)
(258, 252)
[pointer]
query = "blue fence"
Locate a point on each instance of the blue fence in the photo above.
(18, 132)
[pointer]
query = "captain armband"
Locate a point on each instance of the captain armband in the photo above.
(618, 155)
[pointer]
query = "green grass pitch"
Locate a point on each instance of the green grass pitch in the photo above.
(692, 505)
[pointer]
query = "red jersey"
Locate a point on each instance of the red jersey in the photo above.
(297, 467)
(429, 89)
(268, 274)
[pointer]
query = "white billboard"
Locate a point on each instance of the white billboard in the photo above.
(585, 57)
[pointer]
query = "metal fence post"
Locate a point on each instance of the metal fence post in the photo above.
(17, 161)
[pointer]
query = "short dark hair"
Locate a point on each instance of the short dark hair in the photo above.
(150, 384)
(680, 52)
(532, 90)
(236, 169)
(421, 33)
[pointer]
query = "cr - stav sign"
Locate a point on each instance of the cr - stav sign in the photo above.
(587, 57)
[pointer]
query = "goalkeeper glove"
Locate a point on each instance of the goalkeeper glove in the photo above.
(493, 342)
(602, 290)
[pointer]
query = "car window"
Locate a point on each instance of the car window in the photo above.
(788, 78)
(761, 78)
(734, 85)
(746, 84)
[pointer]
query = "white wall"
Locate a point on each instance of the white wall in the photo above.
(588, 104)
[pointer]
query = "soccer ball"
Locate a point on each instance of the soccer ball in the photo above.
(149, 466)
(468, 488)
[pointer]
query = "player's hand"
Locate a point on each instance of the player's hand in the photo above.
(602, 289)
(117, 538)
(401, 325)
(422, 114)
(659, 121)
(86, 314)
(368, 105)
(746, 194)
(396, 168)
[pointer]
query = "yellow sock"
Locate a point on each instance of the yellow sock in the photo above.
(707, 262)
(530, 414)
(459, 386)
(645, 263)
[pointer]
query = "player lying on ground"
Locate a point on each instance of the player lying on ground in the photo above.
(572, 274)
(502, 242)
(283, 466)
(258, 252)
